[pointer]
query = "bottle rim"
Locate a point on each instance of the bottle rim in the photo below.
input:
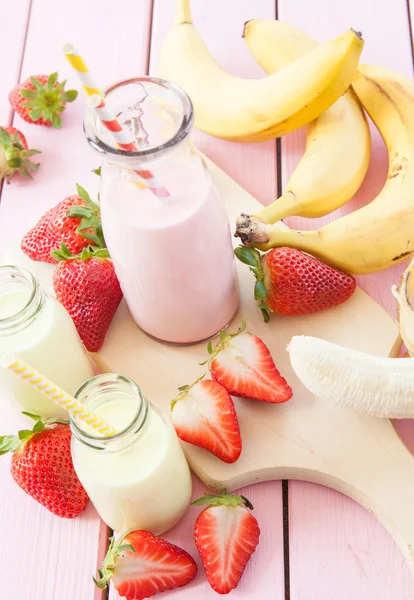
(108, 384)
(12, 274)
(146, 154)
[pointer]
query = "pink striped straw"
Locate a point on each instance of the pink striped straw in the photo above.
(124, 140)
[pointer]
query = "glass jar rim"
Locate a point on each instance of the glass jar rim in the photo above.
(137, 421)
(28, 311)
(149, 153)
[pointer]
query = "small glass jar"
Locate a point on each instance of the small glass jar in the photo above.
(164, 221)
(38, 329)
(139, 477)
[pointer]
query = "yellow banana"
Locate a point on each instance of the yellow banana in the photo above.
(338, 142)
(380, 234)
(256, 109)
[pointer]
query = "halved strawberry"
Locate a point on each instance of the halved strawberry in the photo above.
(141, 564)
(204, 415)
(226, 535)
(242, 363)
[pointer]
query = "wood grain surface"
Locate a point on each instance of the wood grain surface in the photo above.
(337, 550)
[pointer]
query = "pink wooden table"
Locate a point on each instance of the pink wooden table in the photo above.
(316, 544)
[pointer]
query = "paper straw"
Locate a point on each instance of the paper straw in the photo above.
(124, 141)
(78, 65)
(96, 101)
(54, 393)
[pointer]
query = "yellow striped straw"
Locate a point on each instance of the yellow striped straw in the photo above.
(78, 64)
(54, 393)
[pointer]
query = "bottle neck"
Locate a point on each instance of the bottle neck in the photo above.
(156, 114)
(115, 398)
(26, 299)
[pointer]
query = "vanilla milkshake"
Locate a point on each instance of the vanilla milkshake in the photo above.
(172, 254)
(138, 478)
(40, 331)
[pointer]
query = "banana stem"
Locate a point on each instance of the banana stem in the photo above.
(283, 207)
(182, 12)
(253, 232)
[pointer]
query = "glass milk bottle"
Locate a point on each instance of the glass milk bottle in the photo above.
(139, 477)
(164, 221)
(37, 328)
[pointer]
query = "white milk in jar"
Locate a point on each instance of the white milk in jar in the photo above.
(139, 477)
(38, 329)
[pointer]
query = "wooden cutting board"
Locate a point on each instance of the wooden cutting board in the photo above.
(304, 438)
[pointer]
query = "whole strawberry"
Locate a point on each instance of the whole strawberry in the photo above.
(15, 154)
(75, 221)
(141, 564)
(226, 535)
(89, 289)
(41, 99)
(291, 282)
(42, 466)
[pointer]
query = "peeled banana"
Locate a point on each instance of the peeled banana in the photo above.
(380, 234)
(338, 142)
(405, 297)
(256, 109)
(372, 385)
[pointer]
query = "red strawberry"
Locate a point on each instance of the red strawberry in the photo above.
(75, 221)
(291, 282)
(242, 363)
(88, 288)
(226, 535)
(141, 564)
(42, 466)
(204, 415)
(15, 154)
(41, 99)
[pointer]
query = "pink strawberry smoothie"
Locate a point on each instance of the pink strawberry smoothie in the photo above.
(179, 285)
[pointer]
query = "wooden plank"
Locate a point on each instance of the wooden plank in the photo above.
(12, 40)
(47, 557)
(264, 577)
(261, 578)
(337, 550)
(221, 25)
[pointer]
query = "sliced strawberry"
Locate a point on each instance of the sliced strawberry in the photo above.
(242, 363)
(141, 564)
(204, 415)
(226, 535)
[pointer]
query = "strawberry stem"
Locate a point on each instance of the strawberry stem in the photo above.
(252, 258)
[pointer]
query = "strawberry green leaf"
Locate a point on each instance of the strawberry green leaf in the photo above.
(248, 256)
(24, 434)
(37, 85)
(223, 499)
(83, 194)
(28, 94)
(52, 80)
(97, 171)
(69, 96)
(259, 290)
(39, 426)
(35, 114)
(8, 443)
(57, 122)
(31, 415)
(32, 152)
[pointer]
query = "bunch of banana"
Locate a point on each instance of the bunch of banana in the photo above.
(380, 234)
(338, 143)
(256, 109)
(372, 385)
